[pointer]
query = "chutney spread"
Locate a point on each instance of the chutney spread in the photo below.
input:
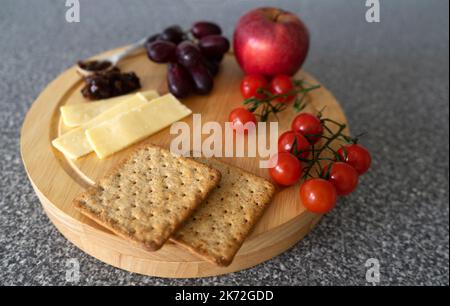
(108, 84)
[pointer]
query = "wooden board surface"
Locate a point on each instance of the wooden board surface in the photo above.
(58, 180)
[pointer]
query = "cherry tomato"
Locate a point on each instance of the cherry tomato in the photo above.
(239, 117)
(282, 84)
(318, 195)
(356, 156)
(343, 176)
(309, 126)
(251, 83)
(287, 169)
(286, 142)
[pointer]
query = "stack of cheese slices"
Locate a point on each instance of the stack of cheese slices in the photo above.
(111, 125)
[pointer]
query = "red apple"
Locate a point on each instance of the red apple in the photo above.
(270, 41)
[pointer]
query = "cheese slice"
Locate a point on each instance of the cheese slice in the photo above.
(74, 143)
(135, 125)
(77, 114)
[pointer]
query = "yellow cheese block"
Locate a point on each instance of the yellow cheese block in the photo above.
(74, 143)
(135, 125)
(77, 114)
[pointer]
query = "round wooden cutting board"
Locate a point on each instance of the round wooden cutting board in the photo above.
(58, 180)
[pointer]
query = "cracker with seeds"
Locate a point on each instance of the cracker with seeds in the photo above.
(220, 225)
(148, 195)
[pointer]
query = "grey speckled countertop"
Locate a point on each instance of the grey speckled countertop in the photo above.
(392, 79)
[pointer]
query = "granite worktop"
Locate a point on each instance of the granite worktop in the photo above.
(392, 79)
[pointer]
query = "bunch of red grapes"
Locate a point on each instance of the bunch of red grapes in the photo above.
(193, 57)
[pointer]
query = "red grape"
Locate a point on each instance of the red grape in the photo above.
(161, 51)
(203, 80)
(204, 28)
(173, 33)
(188, 54)
(179, 80)
(214, 46)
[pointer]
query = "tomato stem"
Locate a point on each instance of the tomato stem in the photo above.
(268, 108)
(316, 156)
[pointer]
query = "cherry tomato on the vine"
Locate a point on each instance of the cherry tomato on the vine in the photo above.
(250, 85)
(318, 195)
(239, 117)
(286, 143)
(287, 169)
(282, 84)
(309, 126)
(343, 176)
(356, 156)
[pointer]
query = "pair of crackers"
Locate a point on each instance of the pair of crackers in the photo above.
(205, 205)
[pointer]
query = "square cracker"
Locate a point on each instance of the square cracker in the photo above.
(220, 225)
(148, 195)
